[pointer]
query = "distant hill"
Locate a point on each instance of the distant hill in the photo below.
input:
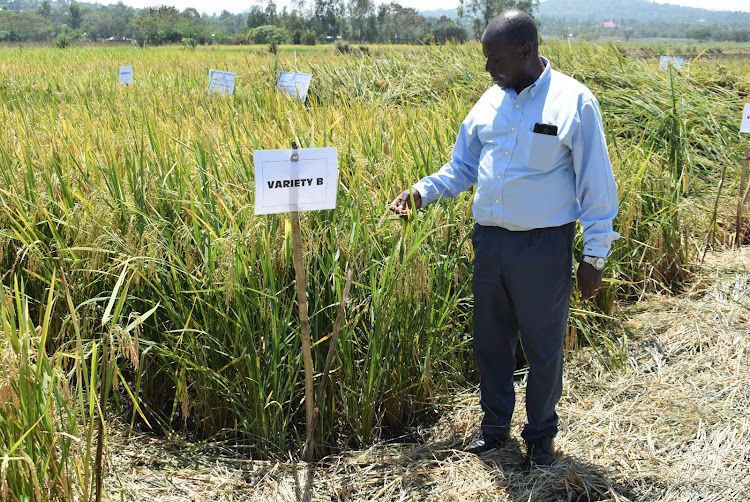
(639, 11)
(626, 12)
(438, 13)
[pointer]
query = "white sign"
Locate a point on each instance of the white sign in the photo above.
(221, 82)
(282, 185)
(745, 127)
(665, 61)
(295, 85)
(126, 75)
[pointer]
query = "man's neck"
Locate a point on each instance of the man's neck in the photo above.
(534, 71)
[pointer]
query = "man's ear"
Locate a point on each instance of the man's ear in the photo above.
(526, 50)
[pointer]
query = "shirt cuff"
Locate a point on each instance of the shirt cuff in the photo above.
(599, 245)
(426, 200)
(599, 251)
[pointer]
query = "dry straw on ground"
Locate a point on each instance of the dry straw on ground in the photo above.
(673, 425)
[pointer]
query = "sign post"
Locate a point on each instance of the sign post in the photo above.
(292, 181)
(304, 321)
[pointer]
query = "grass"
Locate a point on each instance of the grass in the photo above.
(141, 197)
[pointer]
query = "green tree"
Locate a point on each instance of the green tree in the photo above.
(741, 35)
(272, 17)
(481, 12)
(191, 26)
(360, 13)
(256, 17)
(98, 24)
(268, 34)
(158, 25)
(400, 25)
(294, 25)
(26, 26)
(62, 40)
(45, 9)
(328, 14)
(445, 29)
(699, 34)
(75, 15)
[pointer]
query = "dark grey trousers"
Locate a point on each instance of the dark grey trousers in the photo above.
(522, 283)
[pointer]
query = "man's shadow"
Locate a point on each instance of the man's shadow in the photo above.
(568, 478)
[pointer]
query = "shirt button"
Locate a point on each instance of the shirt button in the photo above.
(507, 153)
(499, 177)
(497, 201)
(513, 129)
(518, 106)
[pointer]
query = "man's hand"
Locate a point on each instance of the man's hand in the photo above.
(589, 280)
(401, 205)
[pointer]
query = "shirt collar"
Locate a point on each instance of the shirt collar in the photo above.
(540, 82)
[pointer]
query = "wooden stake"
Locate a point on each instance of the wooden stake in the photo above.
(304, 320)
(309, 444)
(710, 237)
(102, 407)
(740, 203)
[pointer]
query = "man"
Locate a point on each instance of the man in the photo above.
(534, 146)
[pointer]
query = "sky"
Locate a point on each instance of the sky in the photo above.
(235, 6)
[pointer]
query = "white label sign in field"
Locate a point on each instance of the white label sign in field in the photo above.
(665, 61)
(126, 75)
(745, 127)
(295, 85)
(221, 82)
(282, 185)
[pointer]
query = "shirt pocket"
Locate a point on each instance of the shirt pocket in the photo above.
(542, 150)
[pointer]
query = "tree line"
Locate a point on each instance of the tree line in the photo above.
(317, 22)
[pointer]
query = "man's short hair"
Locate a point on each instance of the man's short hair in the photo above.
(514, 26)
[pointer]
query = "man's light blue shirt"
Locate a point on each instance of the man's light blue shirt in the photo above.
(527, 180)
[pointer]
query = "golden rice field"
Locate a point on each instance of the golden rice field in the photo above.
(128, 238)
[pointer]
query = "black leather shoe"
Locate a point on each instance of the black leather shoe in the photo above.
(482, 444)
(540, 452)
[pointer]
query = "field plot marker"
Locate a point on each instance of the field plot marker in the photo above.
(126, 75)
(221, 82)
(744, 128)
(296, 85)
(666, 61)
(290, 181)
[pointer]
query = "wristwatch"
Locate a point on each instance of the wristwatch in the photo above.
(596, 261)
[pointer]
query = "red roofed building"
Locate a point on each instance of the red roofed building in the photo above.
(608, 24)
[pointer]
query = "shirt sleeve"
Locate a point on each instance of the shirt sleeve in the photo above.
(595, 184)
(460, 173)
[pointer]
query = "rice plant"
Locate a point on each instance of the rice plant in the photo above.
(141, 197)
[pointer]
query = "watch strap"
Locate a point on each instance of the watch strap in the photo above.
(595, 261)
